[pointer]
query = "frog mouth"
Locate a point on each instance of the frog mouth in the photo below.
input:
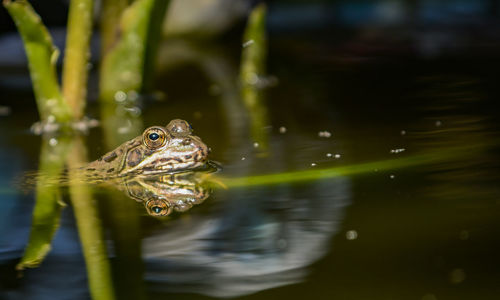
(173, 168)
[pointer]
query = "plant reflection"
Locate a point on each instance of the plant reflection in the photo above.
(48, 205)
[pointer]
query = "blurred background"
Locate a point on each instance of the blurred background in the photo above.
(396, 98)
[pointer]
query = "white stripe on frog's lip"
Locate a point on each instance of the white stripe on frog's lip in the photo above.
(179, 167)
(169, 158)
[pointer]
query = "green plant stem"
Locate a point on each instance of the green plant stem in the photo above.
(111, 11)
(77, 53)
(253, 67)
(89, 228)
(42, 56)
(364, 168)
(125, 66)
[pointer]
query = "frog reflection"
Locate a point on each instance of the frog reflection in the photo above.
(163, 194)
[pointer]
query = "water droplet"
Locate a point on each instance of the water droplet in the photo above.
(53, 142)
(396, 151)
(134, 111)
(351, 235)
(252, 79)
(248, 43)
(324, 134)
(255, 145)
(120, 96)
(282, 129)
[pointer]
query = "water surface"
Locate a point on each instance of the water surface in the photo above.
(388, 231)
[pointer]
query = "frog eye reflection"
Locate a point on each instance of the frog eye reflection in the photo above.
(157, 207)
(154, 137)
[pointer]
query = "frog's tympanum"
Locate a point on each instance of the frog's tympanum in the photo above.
(159, 150)
(162, 194)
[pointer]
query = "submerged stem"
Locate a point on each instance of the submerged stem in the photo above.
(48, 204)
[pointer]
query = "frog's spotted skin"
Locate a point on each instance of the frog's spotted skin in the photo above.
(160, 149)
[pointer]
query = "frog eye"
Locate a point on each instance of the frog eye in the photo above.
(154, 137)
(179, 128)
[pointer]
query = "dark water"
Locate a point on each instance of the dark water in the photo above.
(425, 231)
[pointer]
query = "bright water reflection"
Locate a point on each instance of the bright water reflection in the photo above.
(252, 240)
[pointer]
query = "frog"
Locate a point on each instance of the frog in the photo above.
(170, 149)
(162, 194)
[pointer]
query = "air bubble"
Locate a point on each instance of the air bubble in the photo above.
(120, 96)
(247, 43)
(324, 134)
(351, 235)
